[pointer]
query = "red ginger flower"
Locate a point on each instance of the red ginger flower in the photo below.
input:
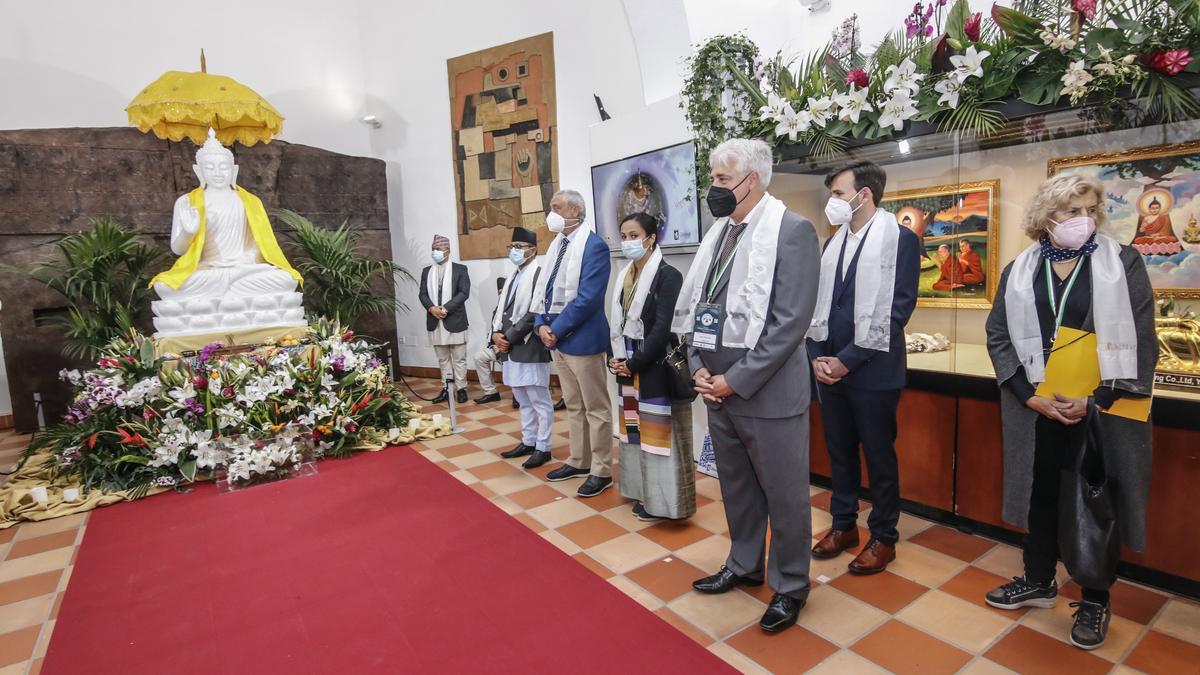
(1086, 8)
(1171, 62)
(858, 78)
(973, 25)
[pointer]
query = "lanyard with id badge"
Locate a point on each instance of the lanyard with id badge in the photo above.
(706, 325)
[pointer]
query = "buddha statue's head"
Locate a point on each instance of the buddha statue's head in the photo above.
(214, 164)
(1155, 206)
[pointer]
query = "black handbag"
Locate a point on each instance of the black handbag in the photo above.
(1089, 538)
(676, 361)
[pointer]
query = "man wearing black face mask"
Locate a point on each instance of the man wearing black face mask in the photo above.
(869, 274)
(745, 305)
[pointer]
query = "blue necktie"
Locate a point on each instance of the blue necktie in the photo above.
(562, 251)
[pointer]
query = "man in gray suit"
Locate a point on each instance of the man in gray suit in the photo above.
(753, 290)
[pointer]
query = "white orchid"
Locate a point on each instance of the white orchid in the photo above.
(903, 76)
(793, 123)
(896, 110)
(821, 110)
(1075, 81)
(852, 104)
(1052, 40)
(949, 88)
(773, 109)
(969, 64)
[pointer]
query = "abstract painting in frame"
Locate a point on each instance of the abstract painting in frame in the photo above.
(958, 226)
(1152, 199)
(504, 131)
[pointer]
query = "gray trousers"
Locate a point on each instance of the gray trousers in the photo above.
(485, 360)
(763, 470)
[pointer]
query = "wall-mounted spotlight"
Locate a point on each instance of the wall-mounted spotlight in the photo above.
(373, 121)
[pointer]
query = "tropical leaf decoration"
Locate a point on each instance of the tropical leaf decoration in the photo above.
(339, 281)
(1130, 62)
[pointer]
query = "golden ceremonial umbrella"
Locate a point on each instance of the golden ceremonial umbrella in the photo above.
(179, 105)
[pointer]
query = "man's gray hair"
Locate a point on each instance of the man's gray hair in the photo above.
(744, 155)
(573, 198)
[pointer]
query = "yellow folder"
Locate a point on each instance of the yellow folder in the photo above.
(1073, 370)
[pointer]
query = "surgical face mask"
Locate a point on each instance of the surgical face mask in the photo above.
(839, 211)
(517, 256)
(1072, 233)
(723, 201)
(438, 256)
(633, 249)
(555, 222)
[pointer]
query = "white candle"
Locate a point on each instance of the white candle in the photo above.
(393, 434)
(414, 424)
(70, 494)
(40, 495)
(437, 420)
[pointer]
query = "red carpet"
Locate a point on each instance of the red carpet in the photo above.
(381, 563)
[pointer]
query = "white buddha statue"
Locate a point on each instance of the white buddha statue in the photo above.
(231, 274)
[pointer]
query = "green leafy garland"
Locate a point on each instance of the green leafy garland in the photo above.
(954, 69)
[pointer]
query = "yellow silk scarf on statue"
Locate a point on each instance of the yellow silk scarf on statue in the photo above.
(260, 227)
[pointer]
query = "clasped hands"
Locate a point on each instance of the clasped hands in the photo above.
(619, 367)
(500, 344)
(438, 311)
(713, 388)
(548, 337)
(1060, 408)
(829, 369)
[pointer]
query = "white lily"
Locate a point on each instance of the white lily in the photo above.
(970, 63)
(793, 123)
(852, 104)
(773, 109)
(949, 88)
(903, 76)
(897, 109)
(821, 110)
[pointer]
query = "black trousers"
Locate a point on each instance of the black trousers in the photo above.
(1052, 453)
(863, 416)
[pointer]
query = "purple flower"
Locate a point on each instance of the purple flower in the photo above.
(338, 363)
(207, 351)
(194, 407)
(928, 31)
(374, 363)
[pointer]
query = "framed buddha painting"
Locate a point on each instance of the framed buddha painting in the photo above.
(1152, 199)
(958, 227)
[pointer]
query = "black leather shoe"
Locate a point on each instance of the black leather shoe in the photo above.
(781, 613)
(488, 398)
(593, 486)
(520, 451)
(441, 398)
(538, 458)
(723, 582)
(561, 405)
(516, 406)
(565, 472)
(461, 396)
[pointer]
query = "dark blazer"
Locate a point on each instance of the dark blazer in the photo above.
(582, 327)
(871, 369)
(456, 316)
(526, 347)
(647, 358)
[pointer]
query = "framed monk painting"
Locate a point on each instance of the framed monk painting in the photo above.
(1153, 202)
(958, 226)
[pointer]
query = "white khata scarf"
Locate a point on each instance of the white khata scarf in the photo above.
(447, 283)
(1116, 333)
(523, 298)
(566, 284)
(628, 323)
(874, 283)
(751, 279)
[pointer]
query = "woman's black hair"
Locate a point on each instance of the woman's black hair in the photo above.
(648, 223)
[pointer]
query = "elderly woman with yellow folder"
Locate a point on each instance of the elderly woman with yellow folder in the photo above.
(1071, 277)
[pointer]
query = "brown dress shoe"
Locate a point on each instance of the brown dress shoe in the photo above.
(874, 558)
(834, 542)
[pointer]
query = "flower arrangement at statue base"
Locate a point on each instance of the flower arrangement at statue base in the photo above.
(140, 422)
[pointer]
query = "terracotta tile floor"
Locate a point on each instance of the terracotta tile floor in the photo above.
(924, 615)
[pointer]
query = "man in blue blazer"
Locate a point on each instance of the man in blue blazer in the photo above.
(869, 274)
(569, 318)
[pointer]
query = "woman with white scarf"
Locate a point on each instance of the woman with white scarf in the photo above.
(1072, 277)
(656, 432)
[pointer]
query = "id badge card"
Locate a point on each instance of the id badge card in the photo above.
(706, 327)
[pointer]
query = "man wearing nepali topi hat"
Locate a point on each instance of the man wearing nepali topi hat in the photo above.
(444, 290)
